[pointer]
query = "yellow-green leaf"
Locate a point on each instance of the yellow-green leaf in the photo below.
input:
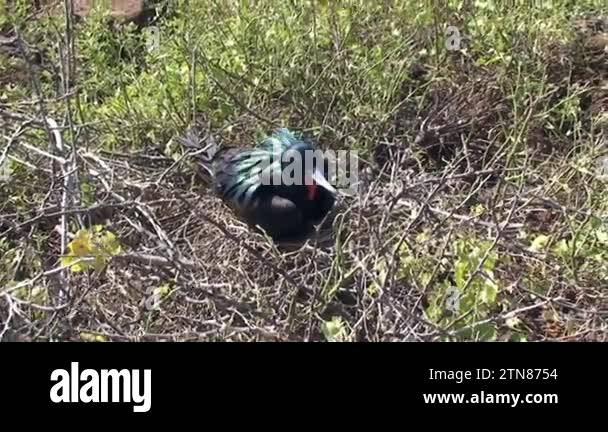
(539, 243)
(92, 337)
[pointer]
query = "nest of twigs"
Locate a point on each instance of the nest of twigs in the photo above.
(220, 280)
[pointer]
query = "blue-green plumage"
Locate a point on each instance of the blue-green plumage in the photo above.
(243, 173)
(249, 180)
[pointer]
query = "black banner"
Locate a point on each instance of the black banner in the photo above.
(161, 379)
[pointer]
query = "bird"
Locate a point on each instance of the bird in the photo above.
(275, 185)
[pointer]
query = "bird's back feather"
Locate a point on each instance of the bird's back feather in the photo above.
(240, 172)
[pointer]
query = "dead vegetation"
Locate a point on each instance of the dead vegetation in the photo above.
(473, 197)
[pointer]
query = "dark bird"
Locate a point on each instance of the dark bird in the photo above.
(276, 185)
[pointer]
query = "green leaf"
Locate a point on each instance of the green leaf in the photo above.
(478, 210)
(602, 236)
(519, 337)
(162, 291)
(92, 337)
(488, 292)
(539, 243)
(90, 249)
(482, 332)
(79, 248)
(334, 330)
(562, 248)
(460, 270)
(595, 222)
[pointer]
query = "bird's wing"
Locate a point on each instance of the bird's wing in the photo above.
(278, 216)
(240, 174)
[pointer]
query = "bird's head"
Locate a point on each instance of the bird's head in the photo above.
(304, 166)
(290, 165)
